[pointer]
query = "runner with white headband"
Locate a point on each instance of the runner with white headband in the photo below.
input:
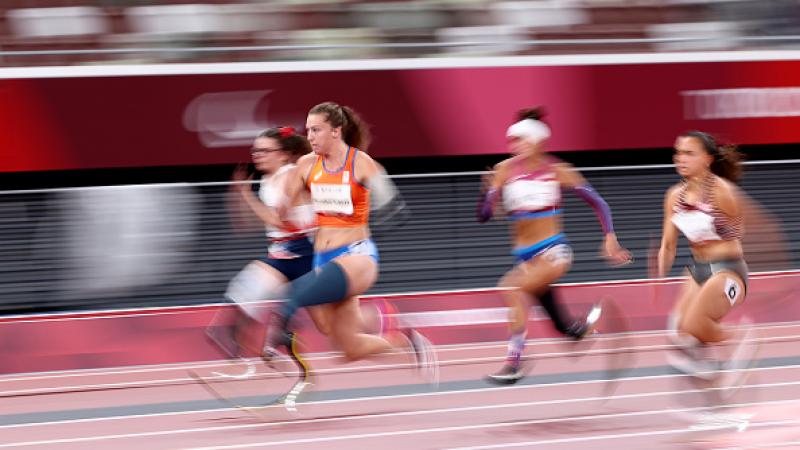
(529, 187)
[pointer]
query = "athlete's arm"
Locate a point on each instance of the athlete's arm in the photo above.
(267, 214)
(728, 198)
(491, 187)
(295, 182)
(386, 203)
(572, 179)
(669, 235)
(371, 174)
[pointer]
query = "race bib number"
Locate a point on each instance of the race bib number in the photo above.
(531, 195)
(732, 290)
(332, 198)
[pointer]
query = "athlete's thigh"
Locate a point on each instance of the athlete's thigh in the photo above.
(361, 272)
(539, 273)
(688, 292)
(271, 273)
(718, 295)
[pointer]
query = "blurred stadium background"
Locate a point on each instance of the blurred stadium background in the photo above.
(34, 32)
(122, 119)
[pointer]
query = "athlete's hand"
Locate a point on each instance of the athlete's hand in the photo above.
(241, 179)
(615, 253)
(487, 179)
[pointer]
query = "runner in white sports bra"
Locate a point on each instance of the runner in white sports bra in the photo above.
(705, 207)
(529, 185)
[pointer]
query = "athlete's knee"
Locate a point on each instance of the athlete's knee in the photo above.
(697, 325)
(348, 345)
(322, 325)
(350, 353)
(517, 313)
(255, 283)
(321, 318)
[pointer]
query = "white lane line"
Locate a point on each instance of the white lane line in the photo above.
(601, 437)
(334, 355)
(168, 310)
(329, 356)
(344, 369)
(640, 395)
(502, 425)
(765, 445)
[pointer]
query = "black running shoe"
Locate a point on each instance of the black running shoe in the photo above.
(587, 326)
(510, 373)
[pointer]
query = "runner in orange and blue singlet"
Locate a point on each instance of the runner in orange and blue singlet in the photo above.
(341, 178)
(529, 185)
(340, 201)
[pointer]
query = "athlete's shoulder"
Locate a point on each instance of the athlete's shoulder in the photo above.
(725, 186)
(559, 165)
(306, 160)
(365, 164)
(362, 155)
(554, 160)
(304, 166)
(671, 195)
(728, 196)
(507, 163)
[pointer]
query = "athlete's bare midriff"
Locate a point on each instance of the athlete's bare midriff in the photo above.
(527, 232)
(328, 238)
(717, 250)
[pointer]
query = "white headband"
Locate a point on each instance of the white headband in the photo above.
(533, 131)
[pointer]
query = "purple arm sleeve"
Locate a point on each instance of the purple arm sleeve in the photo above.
(486, 205)
(590, 196)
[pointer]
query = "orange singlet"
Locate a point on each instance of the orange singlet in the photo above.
(338, 198)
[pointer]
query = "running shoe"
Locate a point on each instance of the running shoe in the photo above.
(588, 325)
(734, 371)
(510, 373)
(711, 421)
(425, 356)
(693, 361)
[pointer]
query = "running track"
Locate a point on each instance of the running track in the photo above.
(567, 402)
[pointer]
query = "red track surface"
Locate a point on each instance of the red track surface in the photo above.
(132, 389)
(644, 411)
(176, 335)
